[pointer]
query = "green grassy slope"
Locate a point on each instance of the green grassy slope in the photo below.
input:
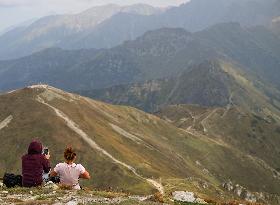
(155, 148)
(32, 119)
(248, 134)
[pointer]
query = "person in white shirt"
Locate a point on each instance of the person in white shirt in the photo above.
(69, 172)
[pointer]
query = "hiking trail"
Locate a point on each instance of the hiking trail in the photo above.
(73, 126)
(203, 122)
(5, 122)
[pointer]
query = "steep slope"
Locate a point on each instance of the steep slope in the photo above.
(211, 83)
(257, 49)
(122, 147)
(255, 134)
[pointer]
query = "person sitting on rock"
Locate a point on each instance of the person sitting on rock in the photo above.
(69, 172)
(34, 164)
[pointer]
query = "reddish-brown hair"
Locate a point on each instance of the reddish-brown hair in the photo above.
(69, 154)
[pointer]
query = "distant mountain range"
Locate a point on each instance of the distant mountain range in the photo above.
(62, 30)
(157, 54)
(213, 83)
(108, 26)
(23, 24)
(127, 149)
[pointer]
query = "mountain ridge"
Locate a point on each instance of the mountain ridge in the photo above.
(212, 83)
(52, 31)
(57, 118)
(194, 16)
(157, 54)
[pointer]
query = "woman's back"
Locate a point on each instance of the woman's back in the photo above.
(69, 174)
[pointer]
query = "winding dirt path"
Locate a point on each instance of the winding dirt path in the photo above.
(5, 122)
(73, 126)
(203, 122)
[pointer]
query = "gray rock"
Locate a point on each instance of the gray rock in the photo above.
(183, 196)
(238, 190)
(72, 203)
(228, 186)
(250, 197)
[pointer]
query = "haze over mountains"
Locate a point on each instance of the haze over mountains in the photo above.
(63, 30)
(156, 54)
(111, 25)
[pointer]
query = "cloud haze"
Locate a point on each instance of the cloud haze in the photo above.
(16, 3)
(13, 12)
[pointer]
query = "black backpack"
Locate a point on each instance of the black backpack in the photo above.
(12, 180)
(55, 179)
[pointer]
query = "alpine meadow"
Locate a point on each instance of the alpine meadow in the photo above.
(162, 105)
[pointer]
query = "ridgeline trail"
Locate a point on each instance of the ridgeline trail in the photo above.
(73, 126)
(5, 122)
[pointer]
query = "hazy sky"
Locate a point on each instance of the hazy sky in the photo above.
(13, 12)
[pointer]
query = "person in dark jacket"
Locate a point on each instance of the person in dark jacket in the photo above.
(34, 164)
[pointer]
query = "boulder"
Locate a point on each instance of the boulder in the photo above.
(184, 196)
(228, 186)
(72, 203)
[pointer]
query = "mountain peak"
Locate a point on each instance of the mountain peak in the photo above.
(32, 87)
(43, 86)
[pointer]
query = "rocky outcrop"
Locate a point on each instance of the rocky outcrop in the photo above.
(184, 196)
(249, 196)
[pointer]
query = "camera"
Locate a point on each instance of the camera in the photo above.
(45, 151)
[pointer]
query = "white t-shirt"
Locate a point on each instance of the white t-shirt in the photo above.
(69, 174)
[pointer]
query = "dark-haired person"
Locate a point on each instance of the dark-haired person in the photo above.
(34, 164)
(69, 172)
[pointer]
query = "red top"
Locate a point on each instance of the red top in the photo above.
(33, 165)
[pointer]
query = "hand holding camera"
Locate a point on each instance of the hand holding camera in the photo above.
(46, 153)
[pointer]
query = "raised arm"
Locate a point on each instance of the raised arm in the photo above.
(46, 163)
